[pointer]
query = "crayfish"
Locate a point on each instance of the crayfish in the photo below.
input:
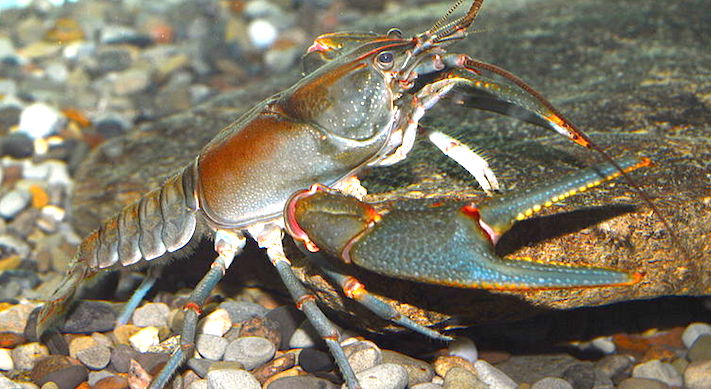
(358, 108)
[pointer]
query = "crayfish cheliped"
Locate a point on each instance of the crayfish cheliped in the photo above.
(359, 108)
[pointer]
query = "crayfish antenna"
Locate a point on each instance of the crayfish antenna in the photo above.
(580, 138)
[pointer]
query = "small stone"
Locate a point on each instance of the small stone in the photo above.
(130, 81)
(250, 351)
(66, 372)
(39, 120)
(13, 202)
(123, 332)
(657, 370)
(461, 378)
(427, 385)
(26, 356)
(96, 376)
(642, 383)
(701, 349)
(111, 125)
(313, 360)
(80, 343)
(604, 344)
(445, 362)
(11, 339)
(151, 314)
(289, 319)
(6, 362)
(88, 317)
(202, 366)
(112, 382)
(305, 336)
(698, 375)
(493, 376)
(693, 331)
(144, 339)
(613, 366)
(463, 347)
(580, 375)
(240, 311)
(274, 367)
(95, 358)
(211, 346)
(385, 376)
(14, 319)
(551, 383)
(121, 357)
(198, 384)
(17, 145)
(302, 382)
(262, 327)
(363, 355)
(230, 379)
(417, 371)
(217, 323)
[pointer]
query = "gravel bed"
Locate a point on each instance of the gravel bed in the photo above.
(75, 75)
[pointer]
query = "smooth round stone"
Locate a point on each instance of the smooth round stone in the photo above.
(13, 202)
(6, 363)
(363, 355)
(95, 358)
(96, 376)
(262, 327)
(231, 379)
(14, 319)
(612, 366)
(217, 323)
(27, 355)
(698, 375)
(39, 120)
(657, 370)
(66, 372)
(305, 336)
(493, 376)
(198, 384)
(463, 347)
(604, 344)
(385, 376)
(88, 317)
(289, 319)
(81, 343)
(580, 375)
(151, 314)
(694, 331)
(461, 378)
(211, 346)
(112, 382)
(417, 371)
(250, 351)
(144, 339)
(121, 356)
(551, 383)
(17, 145)
(302, 382)
(240, 311)
(642, 383)
(111, 125)
(313, 360)
(701, 349)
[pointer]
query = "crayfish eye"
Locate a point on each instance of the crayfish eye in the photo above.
(385, 60)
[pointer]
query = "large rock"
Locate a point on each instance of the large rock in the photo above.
(630, 73)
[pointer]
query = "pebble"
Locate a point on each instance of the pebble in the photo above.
(463, 347)
(658, 370)
(88, 317)
(96, 376)
(613, 366)
(211, 346)
(262, 327)
(642, 383)
(66, 372)
(121, 356)
(363, 355)
(13, 202)
(417, 371)
(144, 339)
(6, 383)
(305, 336)
(81, 343)
(289, 319)
(217, 323)
(551, 383)
(698, 375)
(17, 145)
(580, 375)
(201, 366)
(385, 376)
(231, 379)
(40, 120)
(275, 367)
(198, 384)
(493, 376)
(95, 358)
(701, 349)
(461, 378)
(604, 344)
(112, 382)
(313, 360)
(151, 314)
(302, 382)
(6, 362)
(250, 351)
(694, 331)
(25, 356)
(240, 311)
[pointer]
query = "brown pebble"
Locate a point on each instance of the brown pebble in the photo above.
(261, 327)
(445, 362)
(293, 372)
(10, 339)
(122, 333)
(113, 382)
(65, 371)
(276, 366)
(83, 385)
(494, 357)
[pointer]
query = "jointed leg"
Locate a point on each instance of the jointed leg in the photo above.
(228, 245)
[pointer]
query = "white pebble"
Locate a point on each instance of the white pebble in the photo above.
(144, 339)
(465, 348)
(216, 323)
(250, 351)
(26, 355)
(211, 346)
(385, 376)
(13, 202)
(230, 379)
(6, 363)
(552, 383)
(151, 314)
(693, 331)
(198, 384)
(604, 344)
(39, 120)
(262, 33)
(493, 377)
(658, 370)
